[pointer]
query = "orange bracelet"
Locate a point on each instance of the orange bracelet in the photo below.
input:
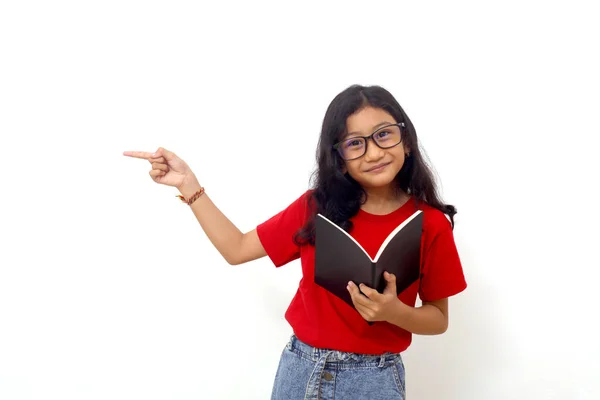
(193, 198)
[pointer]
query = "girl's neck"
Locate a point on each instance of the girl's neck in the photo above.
(384, 200)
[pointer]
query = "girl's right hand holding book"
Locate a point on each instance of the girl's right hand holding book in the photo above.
(167, 168)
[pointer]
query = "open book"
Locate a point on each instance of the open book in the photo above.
(339, 258)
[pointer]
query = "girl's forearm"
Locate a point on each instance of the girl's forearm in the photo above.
(424, 320)
(222, 233)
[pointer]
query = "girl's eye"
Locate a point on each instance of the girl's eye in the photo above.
(353, 143)
(383, 134)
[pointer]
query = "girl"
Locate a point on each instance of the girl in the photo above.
(371, 176)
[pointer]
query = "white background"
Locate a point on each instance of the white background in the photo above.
(109, 288)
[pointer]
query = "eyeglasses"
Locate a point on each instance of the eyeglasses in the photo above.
(356, 146)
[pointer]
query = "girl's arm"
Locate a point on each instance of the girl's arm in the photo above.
(235, 246)
(429, 319)
(168, 169)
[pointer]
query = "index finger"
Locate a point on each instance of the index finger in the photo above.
(357, 296)
(369, 292)
(138, 154)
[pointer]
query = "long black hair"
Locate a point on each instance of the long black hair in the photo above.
(339, 197)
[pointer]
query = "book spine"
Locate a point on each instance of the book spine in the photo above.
(373, 275)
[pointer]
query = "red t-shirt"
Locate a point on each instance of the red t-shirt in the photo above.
(320, 318)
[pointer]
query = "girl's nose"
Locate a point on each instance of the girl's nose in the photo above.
(373, 152)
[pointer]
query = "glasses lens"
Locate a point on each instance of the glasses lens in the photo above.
(352, 148)
(388, 136)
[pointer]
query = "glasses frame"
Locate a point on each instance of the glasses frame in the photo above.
(336, 146)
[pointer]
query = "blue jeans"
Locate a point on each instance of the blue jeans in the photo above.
(308, 373)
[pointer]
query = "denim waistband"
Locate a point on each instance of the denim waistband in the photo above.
(340, 357)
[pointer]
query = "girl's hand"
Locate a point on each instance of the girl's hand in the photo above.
(374, 306)
(167, 168)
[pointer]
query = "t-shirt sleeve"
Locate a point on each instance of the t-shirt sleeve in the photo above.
(277, 233)
(442, 273)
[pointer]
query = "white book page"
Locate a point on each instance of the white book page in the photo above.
(393, 233)
(346, 233)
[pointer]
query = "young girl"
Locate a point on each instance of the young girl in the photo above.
(371, 176)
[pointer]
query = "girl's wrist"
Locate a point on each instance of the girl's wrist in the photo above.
(189, 187)
(399, 313)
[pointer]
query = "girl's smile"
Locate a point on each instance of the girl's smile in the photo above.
(378, 168)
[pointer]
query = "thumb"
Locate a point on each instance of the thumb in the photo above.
(162, 152)
(391, 282)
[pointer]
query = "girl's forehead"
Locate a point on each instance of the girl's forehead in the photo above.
(368, 119)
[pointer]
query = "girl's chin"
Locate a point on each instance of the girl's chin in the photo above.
(375, 183)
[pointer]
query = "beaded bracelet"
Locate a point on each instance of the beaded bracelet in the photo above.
(193, 198)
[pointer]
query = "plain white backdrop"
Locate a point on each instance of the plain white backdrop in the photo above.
(109, 288)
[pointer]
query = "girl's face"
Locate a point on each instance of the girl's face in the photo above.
(377, 167)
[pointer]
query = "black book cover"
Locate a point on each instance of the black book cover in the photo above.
(339, 258)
